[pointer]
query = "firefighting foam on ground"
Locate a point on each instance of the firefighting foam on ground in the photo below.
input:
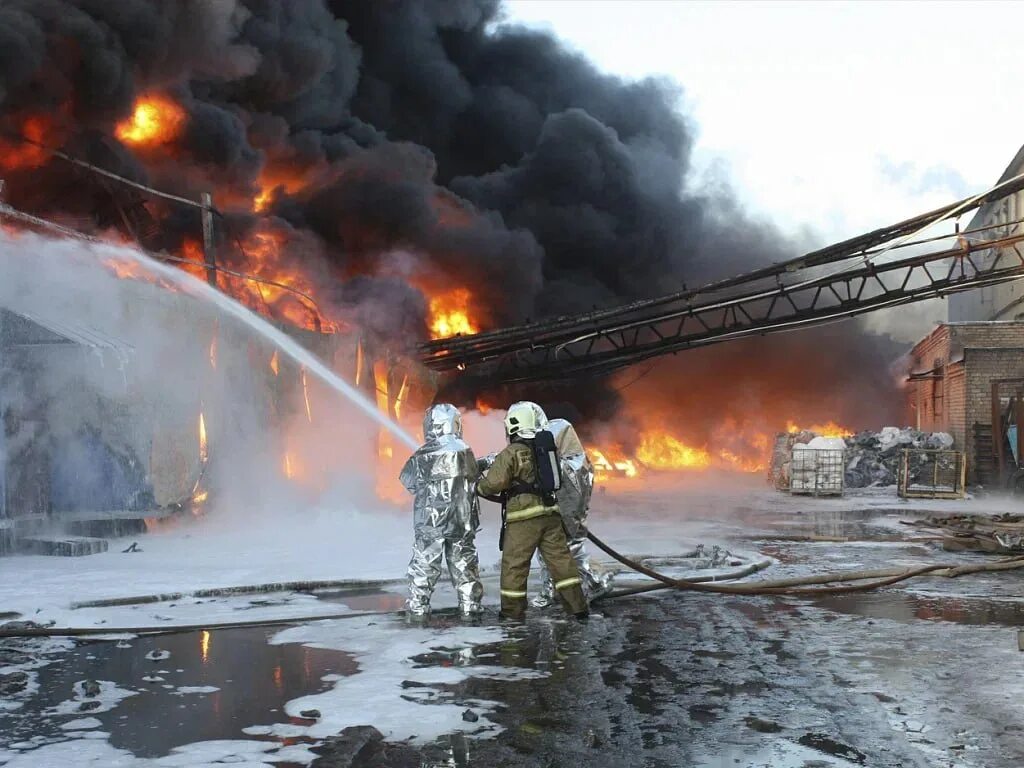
(249, 515)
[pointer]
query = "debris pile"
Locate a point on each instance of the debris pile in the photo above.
(1000, 534)
(872, 459)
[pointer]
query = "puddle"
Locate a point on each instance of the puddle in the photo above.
(906, 607)
(839, 523)
(366, 599)
(253, 681)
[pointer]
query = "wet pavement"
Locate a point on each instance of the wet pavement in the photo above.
(921, 675)
(210, 686)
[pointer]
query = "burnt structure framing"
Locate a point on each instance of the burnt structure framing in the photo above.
(758, 303)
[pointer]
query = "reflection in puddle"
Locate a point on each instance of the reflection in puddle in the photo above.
(366, 599)
(901, 606)
(178, 704)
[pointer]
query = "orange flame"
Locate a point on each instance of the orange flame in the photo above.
(271, 181)
(388, 487)
(380, 377)
(266, 257)
(193, 251)
(274, 365)
(380, 380)
(203, 446)
(660, 450)
(604, 466)
(400, 397)
(449, 315)
(829, 429)
(155, 120)
(17, 156)
(359, 362)
(289, 472)
(735, 461)
(305, 396)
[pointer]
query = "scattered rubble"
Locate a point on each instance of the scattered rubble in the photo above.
(1000, 534)
(158, 655)
(13, 683)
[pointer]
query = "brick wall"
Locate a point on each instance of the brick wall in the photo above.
(962, 396)
(982, 366)
(928, 408)
(956, 404)
(986, 335)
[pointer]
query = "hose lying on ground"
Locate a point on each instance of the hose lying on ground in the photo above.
(19, 630)
(795, 586)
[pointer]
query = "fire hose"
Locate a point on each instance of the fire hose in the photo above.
(800, 586)
(872, 579)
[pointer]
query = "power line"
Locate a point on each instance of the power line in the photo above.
(27, 218)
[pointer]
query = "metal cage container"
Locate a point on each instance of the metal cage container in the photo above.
(931, 474)
(817, 471)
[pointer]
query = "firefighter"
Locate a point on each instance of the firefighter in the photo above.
(573, 501)
(446, 513)
(530, 518)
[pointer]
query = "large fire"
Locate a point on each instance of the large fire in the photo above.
(617, 463)
(155, 120)
(829, 429)
(193, 251)
(450, 314)
(266, 254)
(660, 450)
(273, 180)
(731, 448)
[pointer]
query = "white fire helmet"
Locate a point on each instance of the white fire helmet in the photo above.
(524, 419)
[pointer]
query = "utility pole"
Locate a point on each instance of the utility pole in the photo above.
(209, 247)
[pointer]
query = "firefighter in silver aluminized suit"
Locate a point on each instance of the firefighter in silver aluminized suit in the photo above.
(573, 502)
(441, 475)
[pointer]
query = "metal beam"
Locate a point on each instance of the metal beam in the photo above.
(591, 345)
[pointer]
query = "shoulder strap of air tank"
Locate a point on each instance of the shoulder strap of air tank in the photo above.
(518, 486)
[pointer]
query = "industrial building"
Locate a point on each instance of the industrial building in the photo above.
(965, 374)
(950, 385)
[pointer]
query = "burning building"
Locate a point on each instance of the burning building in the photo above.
(127, 401)
(401, 171)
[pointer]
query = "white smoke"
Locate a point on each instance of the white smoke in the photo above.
(149, 354)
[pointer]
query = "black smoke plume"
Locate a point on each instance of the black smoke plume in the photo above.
(438, 146)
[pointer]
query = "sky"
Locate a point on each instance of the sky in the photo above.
(829, 119)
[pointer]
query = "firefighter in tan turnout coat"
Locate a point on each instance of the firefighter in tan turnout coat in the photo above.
(531, 518)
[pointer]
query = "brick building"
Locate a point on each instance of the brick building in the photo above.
(950, 384)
